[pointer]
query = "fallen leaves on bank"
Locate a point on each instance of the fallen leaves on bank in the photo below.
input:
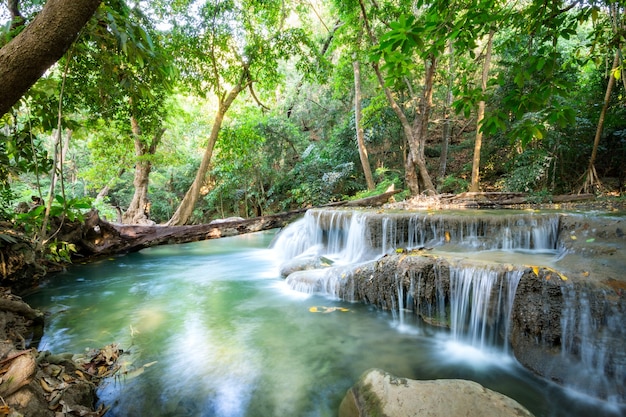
(60, 375)
(65, 380)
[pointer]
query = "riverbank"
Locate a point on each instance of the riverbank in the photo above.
(42, 384)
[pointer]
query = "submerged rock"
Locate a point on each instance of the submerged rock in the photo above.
(379, 393)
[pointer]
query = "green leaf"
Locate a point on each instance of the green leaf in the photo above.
(617, 73)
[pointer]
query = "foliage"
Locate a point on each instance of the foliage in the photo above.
(319, 180)
(298, 149)
(529, 171)
(71, 209)
(382, 186)
(453, 184)
(21, 152)
(60, 251)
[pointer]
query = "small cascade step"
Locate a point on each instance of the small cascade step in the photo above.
(356, 235)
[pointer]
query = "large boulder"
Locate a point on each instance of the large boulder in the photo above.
(380, 394)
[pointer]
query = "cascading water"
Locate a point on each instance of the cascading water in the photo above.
(472, 292)
(350, 237)
(354, 236)
(585, 346)
(342, 237)
(470, 296)
(229, 338)
(475, 318)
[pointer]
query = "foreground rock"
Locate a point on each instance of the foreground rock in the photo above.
(40, 384)
(381, 394)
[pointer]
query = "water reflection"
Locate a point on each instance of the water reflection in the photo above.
(225, 337)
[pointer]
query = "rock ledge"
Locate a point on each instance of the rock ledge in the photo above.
(380, 394)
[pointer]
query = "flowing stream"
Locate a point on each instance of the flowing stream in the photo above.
(223, 335)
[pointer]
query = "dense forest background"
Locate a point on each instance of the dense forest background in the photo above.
(186, 111)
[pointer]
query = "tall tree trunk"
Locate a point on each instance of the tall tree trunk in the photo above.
(57, 165)
(475, 185)
(447, 123)
(42, 43)
(138, 211)
(591, 176)
(54, 175)
(420, 126)
(185, 208)
(415, 154)
(360, 136)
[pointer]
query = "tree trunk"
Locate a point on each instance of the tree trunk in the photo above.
(591, 177)
(57, 171)
(17, 19)
(360, 136)
(475, 184)
(420, 131)
(447, 123)
(413, 159)
(44, 41)
(186, 206)
(138, 211)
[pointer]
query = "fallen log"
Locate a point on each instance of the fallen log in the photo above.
(499, 199)
(101, 238)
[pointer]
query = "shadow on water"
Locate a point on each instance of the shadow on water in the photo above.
(224, 336)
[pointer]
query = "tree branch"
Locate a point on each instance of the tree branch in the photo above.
(42, 43)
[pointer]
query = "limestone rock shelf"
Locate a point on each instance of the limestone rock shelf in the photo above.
(551, 287)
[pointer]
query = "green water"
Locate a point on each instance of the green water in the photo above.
(225, 337)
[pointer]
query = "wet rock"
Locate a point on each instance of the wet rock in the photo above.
(381, 394)
(536, 324)
(304, 263)
(565, 328)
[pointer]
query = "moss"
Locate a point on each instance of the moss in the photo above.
(371, 402)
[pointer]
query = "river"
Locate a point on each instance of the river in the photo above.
(210, 329)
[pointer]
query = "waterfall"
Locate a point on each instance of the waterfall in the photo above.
(508, 288)
(476, 317)
(389, 229)
(342, 236)
(462, 270)
(400, 290)
(588, 344)
(470, 296)
(295, 239)
(353, 236)
(358, 240)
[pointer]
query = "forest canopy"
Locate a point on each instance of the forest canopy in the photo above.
(184, 112)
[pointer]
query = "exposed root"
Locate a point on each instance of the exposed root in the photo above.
(591, 182)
